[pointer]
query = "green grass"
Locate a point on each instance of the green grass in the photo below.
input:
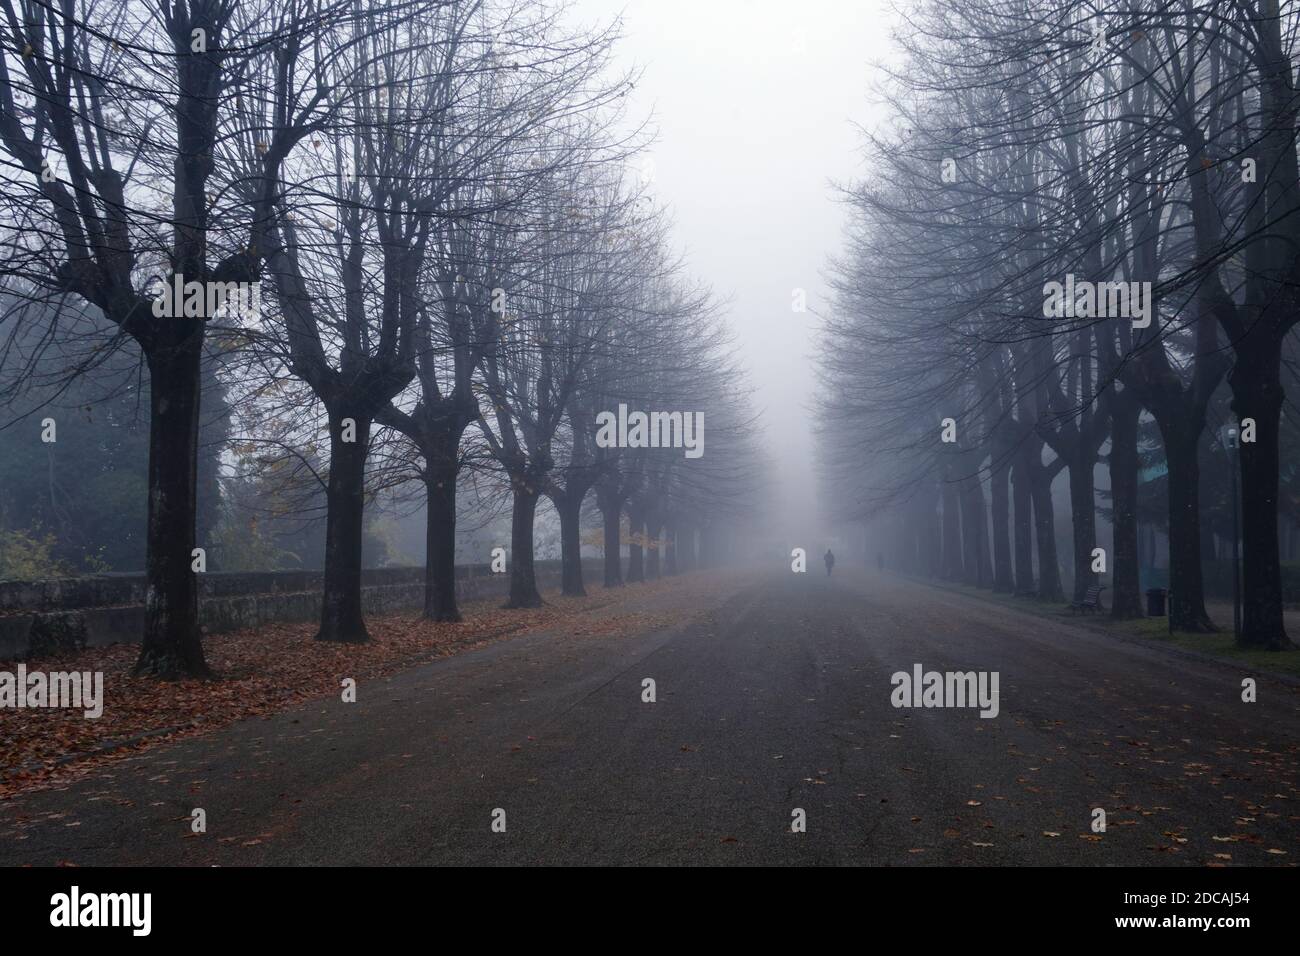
(1220, 645)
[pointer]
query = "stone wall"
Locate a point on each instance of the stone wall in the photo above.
(42, 617)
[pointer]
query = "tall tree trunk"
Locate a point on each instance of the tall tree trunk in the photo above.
(1021, 494)
(1049, 571)
(1083, 519)
(1003, 576)
(1257, 394)
(611, 513)
(341, 617)
(440, 540)
(912, 526)
(1210, 543)
(1126, 599)
(970, 537)
(1186, 584)
(569, 507)
(977, 570)
(635, 553)
(171, 646)
(523, 577)
(933, 540)
(670, 550)
(952, 553)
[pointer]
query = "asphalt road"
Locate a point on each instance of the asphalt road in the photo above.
(775, 699)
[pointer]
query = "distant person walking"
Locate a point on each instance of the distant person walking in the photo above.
(830, 562)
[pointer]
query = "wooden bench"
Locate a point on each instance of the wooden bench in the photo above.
(1091, 601)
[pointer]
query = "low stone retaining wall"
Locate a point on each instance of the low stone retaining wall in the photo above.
(44, 617)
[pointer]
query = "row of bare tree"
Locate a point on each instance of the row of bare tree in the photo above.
(1141, 155)
(447, 233)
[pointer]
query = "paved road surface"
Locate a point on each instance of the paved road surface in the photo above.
(777, 698)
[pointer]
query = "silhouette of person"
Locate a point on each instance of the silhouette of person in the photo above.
(830, 562)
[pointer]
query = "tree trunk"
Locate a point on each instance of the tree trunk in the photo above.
(569, 507)
(977, 571)
(1024, 526)
(910, 527)
(952, 555)
(1049, 571)
(670, 551)
(1186, 584)
(1003, 575)
(172, 646)
(341, 618)
(523, 578)
(1083, 519)
(1257, 394)
(970, 538)
(933, 537)
(440, 542)
(611, 513)
(1126, 597)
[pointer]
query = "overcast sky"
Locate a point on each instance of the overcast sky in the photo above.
(754, 103)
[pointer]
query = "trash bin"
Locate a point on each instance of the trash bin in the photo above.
(1156, 602)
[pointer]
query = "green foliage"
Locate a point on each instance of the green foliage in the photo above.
(28, 556)
(241, 544)
(89, 487)
(269, 521)
(379, 544)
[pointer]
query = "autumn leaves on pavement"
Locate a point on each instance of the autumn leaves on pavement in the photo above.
(262, 671)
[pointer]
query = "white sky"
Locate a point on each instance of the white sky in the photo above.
(754, 102)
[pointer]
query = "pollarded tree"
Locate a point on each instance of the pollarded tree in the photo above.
(584, 259)
(644, 361)
(346, 240)
(521, 75)
(114, 117)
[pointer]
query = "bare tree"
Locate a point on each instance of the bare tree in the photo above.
(115, 117)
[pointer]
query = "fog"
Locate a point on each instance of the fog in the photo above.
(755, 104)
(740, 210)
(651, 432)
